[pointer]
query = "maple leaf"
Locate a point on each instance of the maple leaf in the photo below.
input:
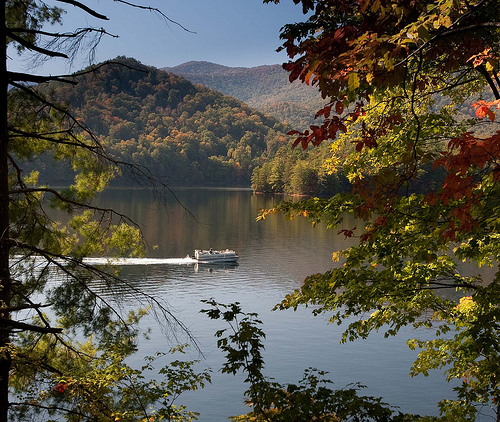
(483, 108)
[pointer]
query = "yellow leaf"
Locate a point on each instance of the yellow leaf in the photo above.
(446, 21)
(369, 78)
(375, 6)
(353, 81)
(308, 77)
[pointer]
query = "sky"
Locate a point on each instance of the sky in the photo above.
(228, 32)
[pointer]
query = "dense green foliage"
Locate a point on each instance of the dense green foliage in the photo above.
(298, 172)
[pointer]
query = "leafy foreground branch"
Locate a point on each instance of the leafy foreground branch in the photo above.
(92, 382)
(412, 92)
(310, 399)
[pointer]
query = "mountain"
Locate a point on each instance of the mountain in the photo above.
(266, 88)
(184, 134)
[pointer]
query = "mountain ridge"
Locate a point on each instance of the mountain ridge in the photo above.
(266, 88)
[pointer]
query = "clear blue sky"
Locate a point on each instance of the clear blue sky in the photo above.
(228, 32)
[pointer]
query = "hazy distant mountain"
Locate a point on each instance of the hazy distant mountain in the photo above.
(266, 88)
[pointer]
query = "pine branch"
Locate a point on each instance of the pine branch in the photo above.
(22, 326)
(33, 47)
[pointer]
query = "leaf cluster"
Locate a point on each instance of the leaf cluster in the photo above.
(396, 77)
(308, 400)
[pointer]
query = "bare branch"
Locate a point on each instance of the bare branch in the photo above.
(85, 8)
(155, 10)
(93, 68)
(76, 33)
(31, 46)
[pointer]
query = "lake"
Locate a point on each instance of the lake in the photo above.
(275, 256)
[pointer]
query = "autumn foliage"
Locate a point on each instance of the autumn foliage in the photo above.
(353, 50)
(411, 88)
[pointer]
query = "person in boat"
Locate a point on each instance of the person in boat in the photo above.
(210, 251)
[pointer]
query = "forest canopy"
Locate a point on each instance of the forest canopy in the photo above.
(182, 133)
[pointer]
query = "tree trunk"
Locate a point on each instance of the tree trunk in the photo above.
(5, 280)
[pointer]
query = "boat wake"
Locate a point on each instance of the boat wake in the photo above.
(139, 261)
(39, 260)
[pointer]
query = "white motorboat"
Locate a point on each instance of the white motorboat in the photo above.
(213, 256)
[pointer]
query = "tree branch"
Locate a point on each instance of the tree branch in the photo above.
(27, 327)
(31, 46)
(78, 32)
(85, 8)
(489, 80)
(48, 137)
(62, 198)
(155, 10)
(23, 307)
(40, 406)
(26, 77)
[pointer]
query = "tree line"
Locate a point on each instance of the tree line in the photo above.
(184, 134)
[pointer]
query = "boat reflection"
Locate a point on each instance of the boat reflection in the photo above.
(215, 266)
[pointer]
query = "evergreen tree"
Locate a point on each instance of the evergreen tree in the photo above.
(42, 370)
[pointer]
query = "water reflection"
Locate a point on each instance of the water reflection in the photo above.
(275, 256)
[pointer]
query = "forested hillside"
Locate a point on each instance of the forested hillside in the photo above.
(185, 134)
(266, 88)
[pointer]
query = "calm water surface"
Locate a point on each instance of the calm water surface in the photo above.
(275, 256)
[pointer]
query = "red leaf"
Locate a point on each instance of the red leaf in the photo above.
(347, 233)
(339, 107)
(325, 111)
